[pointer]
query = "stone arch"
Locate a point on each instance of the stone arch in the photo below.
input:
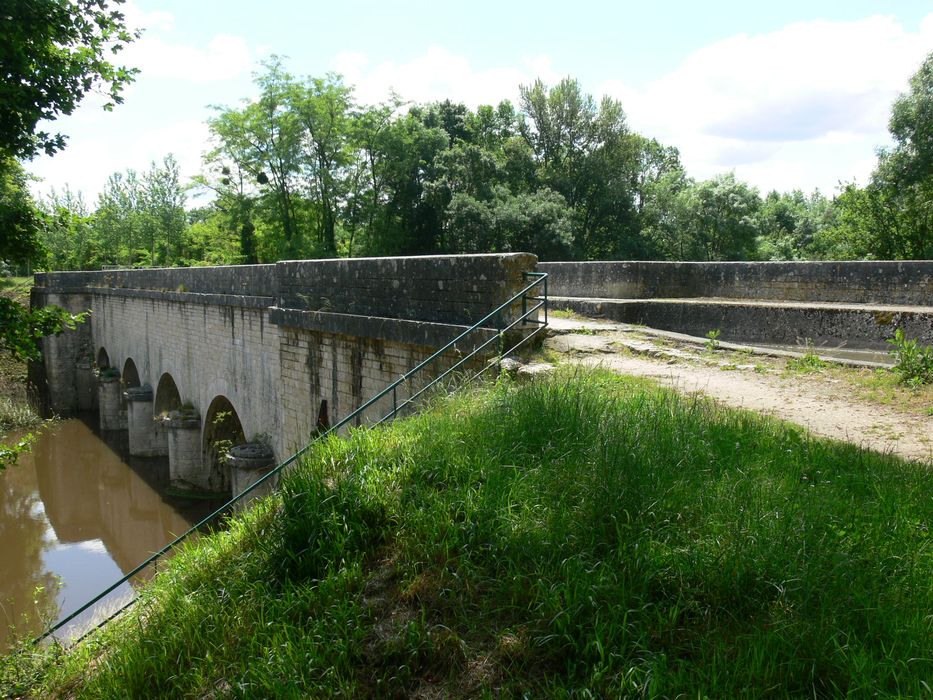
(103, 359)
(222, 430)
(167, 397)
(130, 374)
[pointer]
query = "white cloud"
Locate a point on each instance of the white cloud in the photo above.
(87, 163)
(804, 106)
(137, 18)
(223, 58)
(156, 54)
(438, 74)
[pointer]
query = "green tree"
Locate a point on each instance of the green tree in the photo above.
(586, 153)
(69, 235)
(538, 222)
(404, 160)
(232, 212)
(323, 107)
(141, 220)
(719, 219)
(892, 217)
(52, 53)
(791, 223)
(366, 181)
(210, 240)
(905, 172)
(263, 139)
(165, 221)
(20, 219)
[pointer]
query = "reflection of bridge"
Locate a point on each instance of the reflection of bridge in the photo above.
(89, 494)
(256, 352)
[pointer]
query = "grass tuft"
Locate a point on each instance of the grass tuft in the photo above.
(16, 415)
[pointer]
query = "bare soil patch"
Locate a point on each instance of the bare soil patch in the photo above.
(844, 403)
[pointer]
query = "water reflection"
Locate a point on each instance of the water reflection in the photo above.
(76, 513)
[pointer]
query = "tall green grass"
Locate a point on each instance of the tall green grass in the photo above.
(584, 536)
(15, 415)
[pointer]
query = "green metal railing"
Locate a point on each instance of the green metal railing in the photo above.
(531, 302)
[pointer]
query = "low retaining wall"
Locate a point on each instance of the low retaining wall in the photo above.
(839, 325)
(251, 280)
(855, 304)
(858, 282)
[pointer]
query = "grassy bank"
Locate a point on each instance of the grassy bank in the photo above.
(15, 411)
(13, 371)
(587, 535)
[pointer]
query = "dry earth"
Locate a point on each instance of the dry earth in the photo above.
(825, 402)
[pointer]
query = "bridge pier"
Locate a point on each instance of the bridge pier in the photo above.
(109, 401)
(248, 463)
(185, 465)
(85, 386)
(147, 435)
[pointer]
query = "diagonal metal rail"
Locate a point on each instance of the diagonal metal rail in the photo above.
(533, 298)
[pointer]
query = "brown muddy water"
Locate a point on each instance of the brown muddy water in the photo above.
(76, 514)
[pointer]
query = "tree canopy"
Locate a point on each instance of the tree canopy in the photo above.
(304, 170)
(52, 54)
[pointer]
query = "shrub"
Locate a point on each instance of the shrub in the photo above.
(913, 362)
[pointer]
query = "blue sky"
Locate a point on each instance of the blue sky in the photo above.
(789, 94)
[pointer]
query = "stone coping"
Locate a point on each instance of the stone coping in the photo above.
(424, 333)
(762, 303)
(239, 300)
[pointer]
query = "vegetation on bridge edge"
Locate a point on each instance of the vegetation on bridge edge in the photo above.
(586, 535)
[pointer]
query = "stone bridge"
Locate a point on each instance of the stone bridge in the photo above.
(194, 361)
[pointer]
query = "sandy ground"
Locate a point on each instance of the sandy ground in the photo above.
(823, 404)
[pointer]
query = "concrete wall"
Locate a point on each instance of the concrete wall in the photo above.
(881, 282)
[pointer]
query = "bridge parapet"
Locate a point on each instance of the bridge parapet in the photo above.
(453, 289)
(247, 280)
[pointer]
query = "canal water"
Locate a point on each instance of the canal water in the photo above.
(76, 514)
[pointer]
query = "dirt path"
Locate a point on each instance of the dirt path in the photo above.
(823, 402)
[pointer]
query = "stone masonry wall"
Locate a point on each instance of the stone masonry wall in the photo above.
(880, 282)
(63, 375)
(456, 289)
(342, 370)
(209, 350)
(846, 325)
